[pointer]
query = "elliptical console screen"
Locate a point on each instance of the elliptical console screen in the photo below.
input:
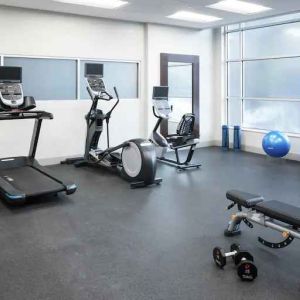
(160, 92)
(10, 74)
(93, 70)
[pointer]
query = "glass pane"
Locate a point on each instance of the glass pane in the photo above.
(47, 79)
(180, 79)
(234, 111)
(281, 40)
(233, 27)
(233, 40)
(271, 20)
(234, 79)
(276, 78)
(122, 75)
(272, 115)
(181, 106)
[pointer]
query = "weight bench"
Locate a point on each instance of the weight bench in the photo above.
(276, 215)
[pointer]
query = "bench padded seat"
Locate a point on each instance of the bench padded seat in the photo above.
(244, 199)
(280, 211)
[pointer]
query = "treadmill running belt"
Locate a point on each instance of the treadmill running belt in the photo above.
(30, 181)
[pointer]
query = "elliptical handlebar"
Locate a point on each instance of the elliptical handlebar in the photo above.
(95, 99)
(117, 102)
(103, 95)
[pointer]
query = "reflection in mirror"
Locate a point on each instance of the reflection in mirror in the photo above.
(180, 76)
(181, 73)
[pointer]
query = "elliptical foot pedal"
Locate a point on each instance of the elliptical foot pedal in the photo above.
(141, 184)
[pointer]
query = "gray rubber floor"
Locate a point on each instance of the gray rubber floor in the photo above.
(109, 242)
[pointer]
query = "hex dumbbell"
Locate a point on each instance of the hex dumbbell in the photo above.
(244, 261)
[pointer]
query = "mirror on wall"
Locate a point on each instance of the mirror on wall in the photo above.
(181, 74)
(180, 82)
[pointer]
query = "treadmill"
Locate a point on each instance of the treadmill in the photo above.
(23, 177)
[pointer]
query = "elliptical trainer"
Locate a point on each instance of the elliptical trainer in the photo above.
(137, 160)
(183, 138)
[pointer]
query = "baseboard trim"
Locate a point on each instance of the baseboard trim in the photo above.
(257, 150)
(246, 148)
(290, 156)
(57, 160)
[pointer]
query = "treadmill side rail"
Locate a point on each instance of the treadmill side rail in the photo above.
(18, 176)
(11, 194)
(70, 188)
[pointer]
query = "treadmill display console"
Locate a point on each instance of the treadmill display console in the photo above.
(11, 92)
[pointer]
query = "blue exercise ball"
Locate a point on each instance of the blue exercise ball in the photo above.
(276, 144)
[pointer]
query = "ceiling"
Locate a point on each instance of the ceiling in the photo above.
(155, 11)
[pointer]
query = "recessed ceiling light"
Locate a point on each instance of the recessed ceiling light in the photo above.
(193, 17)
(240, 7)
(107, 4)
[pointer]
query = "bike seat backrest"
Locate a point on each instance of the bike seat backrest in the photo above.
(186, 125)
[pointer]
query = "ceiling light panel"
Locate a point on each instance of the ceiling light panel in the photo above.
(240, 7)
(106, 4)
(193, 17)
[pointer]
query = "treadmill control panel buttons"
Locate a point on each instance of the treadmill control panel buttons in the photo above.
(11, 94)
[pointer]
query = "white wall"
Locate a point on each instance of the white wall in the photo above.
(38, 33)
(164, 39)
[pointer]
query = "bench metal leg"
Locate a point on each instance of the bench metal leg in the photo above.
(233, 228)
(288, 232)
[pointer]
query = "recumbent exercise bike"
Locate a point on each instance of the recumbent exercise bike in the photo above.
(183, 138)
(137, 160)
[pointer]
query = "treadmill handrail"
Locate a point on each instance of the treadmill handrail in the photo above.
(20, 115)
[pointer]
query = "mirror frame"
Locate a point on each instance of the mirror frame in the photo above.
(165, 58)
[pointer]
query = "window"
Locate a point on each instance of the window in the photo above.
(233, 45)
(263, 74)
(47, 79)
(280, 40)
(123, 75)
(57, 79)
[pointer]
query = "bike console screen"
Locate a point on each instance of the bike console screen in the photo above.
(160, 92)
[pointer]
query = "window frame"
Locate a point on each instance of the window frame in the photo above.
(78, 69)
(242, 28)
